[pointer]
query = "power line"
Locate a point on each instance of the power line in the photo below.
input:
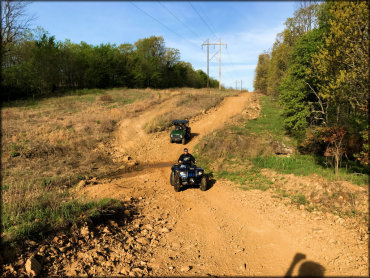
(157, 20)
(202, 19)
(209, 23)
(219, 44)
(232, 64)
(179, 20)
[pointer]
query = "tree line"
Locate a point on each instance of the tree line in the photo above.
(38, 64)
(318, 71)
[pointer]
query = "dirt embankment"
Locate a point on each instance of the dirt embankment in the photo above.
(222, 231)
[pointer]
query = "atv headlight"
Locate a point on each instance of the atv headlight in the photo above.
(180, 136)
(171, 135)
(200, 173)
(182, 174)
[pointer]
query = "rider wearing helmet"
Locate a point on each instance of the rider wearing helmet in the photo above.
(186, 157)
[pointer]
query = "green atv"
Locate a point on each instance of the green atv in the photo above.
(181, 131)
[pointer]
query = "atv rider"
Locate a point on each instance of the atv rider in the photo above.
(187, 158)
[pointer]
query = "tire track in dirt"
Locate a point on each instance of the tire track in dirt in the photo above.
(223, 231)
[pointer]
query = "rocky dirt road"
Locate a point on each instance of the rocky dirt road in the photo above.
(226, 231)
(222, 231)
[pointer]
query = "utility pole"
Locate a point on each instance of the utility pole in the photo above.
(219, 63)
(236, 84)
(207, 63)
(207, 44)
(219, 68)
(241, 85)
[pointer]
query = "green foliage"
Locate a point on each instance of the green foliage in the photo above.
(249, 178)
(45, 216)
(319, 68)
(341, 66)
(296, 96)
(341, 63)
(280, 55)
(269, 122)
(303, 21)
(305, 165)
(299, 199)
(260, 81)
(39, 65)
(282, 192)
(268, 126)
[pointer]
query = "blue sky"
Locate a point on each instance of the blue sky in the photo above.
(248, 28)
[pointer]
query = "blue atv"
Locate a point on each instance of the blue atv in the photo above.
(187, 174)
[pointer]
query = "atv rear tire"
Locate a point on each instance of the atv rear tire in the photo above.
(177, 182)
(203, 183)
(183, 141)
(172, 178)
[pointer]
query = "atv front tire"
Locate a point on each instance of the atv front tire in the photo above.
(172, 178)
(183, 141)
(171, 141)
(203, 183)
(177, 182)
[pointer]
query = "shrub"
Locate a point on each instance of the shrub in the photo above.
(106, 98)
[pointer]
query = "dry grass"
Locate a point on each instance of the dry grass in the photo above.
(107, 98)
(49, 145)
(190, 103)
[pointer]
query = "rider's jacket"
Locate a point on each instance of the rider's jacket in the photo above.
(187, 158)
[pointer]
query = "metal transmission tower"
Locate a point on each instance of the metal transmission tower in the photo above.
(219, 70)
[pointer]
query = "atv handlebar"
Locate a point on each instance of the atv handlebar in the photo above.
(195, 162)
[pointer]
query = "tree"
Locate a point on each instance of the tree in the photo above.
(150, 54)
(304, 20)
(341, 67)
(14, 23)
(342, 62)
(260, 80)
(280, 55)
(301, 107)
(40, 65)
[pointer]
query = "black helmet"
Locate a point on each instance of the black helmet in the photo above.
(186, 149)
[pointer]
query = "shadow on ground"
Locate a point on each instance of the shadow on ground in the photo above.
(193, 135)
(306, 269)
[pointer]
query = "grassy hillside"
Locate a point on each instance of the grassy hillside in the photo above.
(49, 145)
(256, 154)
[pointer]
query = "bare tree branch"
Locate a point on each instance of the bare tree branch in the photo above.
(14, 22)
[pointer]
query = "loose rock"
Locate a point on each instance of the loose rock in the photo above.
(143, 240)
(125, 270)
(165, 230)
(84, 231)
(81, 184)
(185, 268)
(33, 267)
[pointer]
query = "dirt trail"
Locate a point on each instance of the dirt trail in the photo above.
(154, 148)
(225, 231)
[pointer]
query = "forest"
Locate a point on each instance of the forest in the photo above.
(36, 64)
(317, 70)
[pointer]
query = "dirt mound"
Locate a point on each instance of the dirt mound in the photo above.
(117, 242)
